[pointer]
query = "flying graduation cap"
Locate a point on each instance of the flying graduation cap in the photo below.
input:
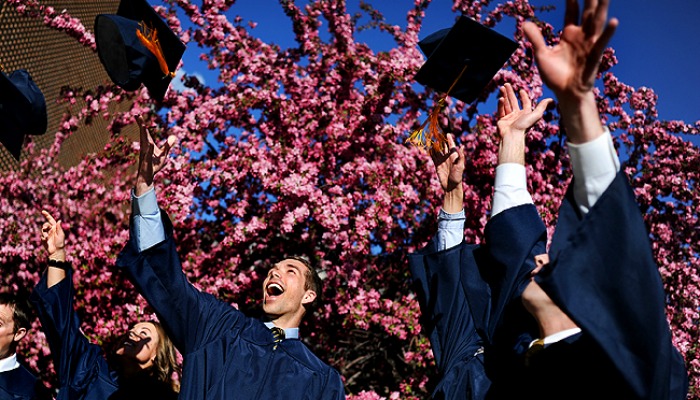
(22, 110)
(461, 62)
(136, 46)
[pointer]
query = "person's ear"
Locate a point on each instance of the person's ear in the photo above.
(20, 334)
(309, 297)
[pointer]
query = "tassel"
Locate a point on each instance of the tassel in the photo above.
(433, 138)
(149, 38)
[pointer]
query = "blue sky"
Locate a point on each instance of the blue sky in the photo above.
(657, 42)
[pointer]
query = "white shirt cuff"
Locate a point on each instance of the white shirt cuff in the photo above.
(510, 188)
(595, 165)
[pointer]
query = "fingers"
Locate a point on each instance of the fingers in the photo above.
(144, 132)
(534, 36)
(450, 140)
(542, 106)
(525, 99)
(59, 228)
(571, 14)
(512, 98)
(505, 102)
(604, 38)
(48, 217)
(169, 144)
(596, 52)
(500, 112)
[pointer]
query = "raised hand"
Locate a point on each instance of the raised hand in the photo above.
(570, 67)
(513, 123)
(53, 238)
(512, 118)
(151, 158)
(449, 165)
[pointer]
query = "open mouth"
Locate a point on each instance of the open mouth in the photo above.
(274, 289)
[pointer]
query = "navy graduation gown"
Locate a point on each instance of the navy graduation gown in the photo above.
(603, 275)
(82, 370)
(464, 292)
(21, 384)
(448, 322)
(227, 355)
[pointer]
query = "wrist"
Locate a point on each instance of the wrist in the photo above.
(453, 201)
(58, 255)
(581, 118)
(142, 187)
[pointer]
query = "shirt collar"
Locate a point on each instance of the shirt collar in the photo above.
(289, 333)
(9, 363)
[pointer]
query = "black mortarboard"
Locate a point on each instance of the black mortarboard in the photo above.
(22, 110)
(136, 46)
(461, 62)
(468, 56)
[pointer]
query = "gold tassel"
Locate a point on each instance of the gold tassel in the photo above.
(149, 38)
(433, 138)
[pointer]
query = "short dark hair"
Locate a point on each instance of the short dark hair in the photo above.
(313, 282)
(21, 309)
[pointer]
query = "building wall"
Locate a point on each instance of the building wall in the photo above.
(55, 60)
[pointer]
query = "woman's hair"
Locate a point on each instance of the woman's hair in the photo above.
(165, 366)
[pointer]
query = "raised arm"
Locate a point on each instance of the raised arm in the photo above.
(510, 187)
(153, 265)
(570, 67)
(76, 360)
(449, 167)
(54, 240)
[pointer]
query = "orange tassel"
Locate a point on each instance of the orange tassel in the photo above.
(149, 38)
(433, 139)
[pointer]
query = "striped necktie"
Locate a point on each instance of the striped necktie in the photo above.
(278, 335)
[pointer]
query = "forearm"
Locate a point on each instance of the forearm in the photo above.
(453, 201)
(512, 148)
(580, 117)
(55, 274)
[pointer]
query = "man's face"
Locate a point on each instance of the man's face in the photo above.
(8, 336)
(140, 344)
(283, 290)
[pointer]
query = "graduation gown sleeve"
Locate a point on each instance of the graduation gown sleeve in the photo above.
(82, 370)
(513, 238)
(191, 318)
(602, 274)
(448, 321)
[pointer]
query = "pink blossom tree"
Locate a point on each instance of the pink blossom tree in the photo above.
(302, 150)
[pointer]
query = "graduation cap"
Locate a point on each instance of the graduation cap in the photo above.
(136, 46)
(22, 110)
(461, 62)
